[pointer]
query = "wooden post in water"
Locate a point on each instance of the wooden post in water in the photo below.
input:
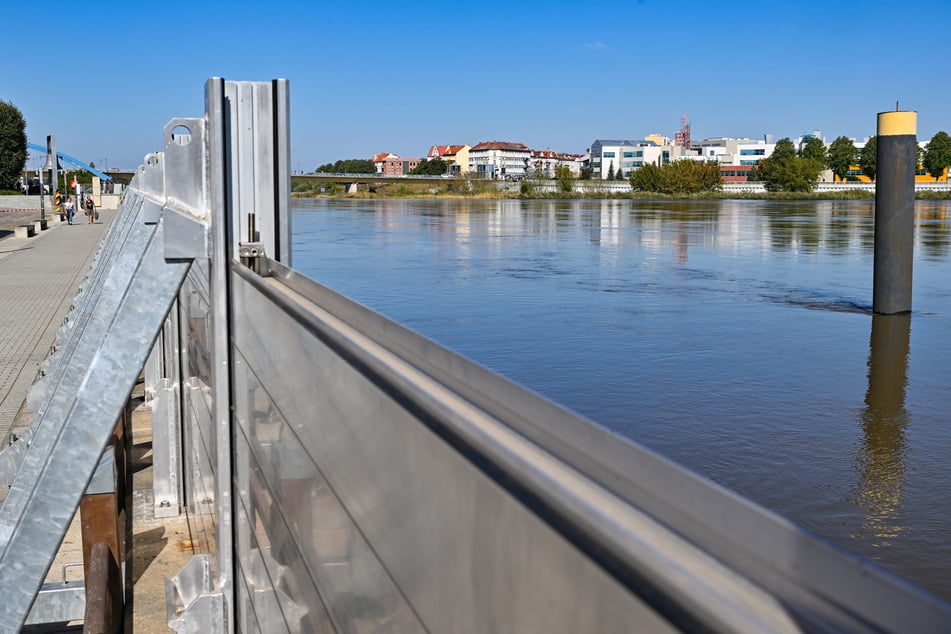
(894, 211)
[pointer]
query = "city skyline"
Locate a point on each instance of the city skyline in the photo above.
(386, 78)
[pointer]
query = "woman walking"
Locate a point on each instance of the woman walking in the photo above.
(69, 209)
(90, 209)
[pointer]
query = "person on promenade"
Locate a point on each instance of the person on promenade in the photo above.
(69, 209)
(90, 209)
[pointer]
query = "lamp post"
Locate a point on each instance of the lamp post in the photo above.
(42, 197)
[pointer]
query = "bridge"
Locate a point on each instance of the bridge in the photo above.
(347, 474)
(72, 161)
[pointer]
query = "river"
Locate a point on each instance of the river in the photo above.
(734, 337)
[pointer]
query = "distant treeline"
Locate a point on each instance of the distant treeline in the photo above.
(347, 166)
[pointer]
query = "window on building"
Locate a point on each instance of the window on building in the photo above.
(608, 155)
(629, 155)
(753, 152)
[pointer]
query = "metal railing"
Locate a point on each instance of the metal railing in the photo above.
(346, 474)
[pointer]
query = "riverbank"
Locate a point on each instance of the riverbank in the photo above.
(530, 192)
(536, 195)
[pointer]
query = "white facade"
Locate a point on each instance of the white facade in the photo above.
(496, 159)
(728, 151)
(609, 156)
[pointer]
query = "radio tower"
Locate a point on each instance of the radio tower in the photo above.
(682, 138)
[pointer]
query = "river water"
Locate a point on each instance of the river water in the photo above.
(734, 337)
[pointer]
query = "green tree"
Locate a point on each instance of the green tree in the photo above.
(784, 150)
(611, 171)
(841, 156)
(647, 178)
(784, 171)
(432, 167)
(586, 173)
(681, 177)
(348, 166)
(814, 149)
(566, 181)
(12, 145)
(868, 157)
(937, 154)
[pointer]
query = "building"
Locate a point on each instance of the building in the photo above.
(387, 163)
(390, 164)
(500, 159)
(544, 162)
(735, 173)
(730, 151)
(456, 155)
(608, 156)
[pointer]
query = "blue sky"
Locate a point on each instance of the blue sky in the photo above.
(369, 77)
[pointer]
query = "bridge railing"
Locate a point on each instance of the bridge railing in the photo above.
(343, 473)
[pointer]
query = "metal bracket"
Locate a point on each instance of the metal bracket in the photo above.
(252, 255)
(191, 604)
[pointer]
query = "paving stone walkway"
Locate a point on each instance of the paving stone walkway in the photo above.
(39, 277)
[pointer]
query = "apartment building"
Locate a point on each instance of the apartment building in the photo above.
(456, 155)
(390, 164)
(500, 159)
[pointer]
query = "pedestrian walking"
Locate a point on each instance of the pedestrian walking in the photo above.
(90, 209)
(69, 209)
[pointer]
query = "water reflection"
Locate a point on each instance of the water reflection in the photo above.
(807, 227)
(881, 464)
(934, 232)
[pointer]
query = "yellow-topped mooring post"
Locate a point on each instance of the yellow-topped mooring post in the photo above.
(894, 211)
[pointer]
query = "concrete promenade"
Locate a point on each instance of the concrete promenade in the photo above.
(39, 277)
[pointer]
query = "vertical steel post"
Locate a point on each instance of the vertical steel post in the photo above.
(53, 162)
(894, 212)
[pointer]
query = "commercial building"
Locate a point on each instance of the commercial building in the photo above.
(610, 155)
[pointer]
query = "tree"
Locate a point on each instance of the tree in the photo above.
(815, 149)
(348, 166)
(586, 173)
(868, 157)
(566, 181)
(647, 178)
(611, 172)
(841, 156)
(784, 150)
(12, 145)
(937, 154)
(619, 174)
(784, 171)
(678, 178)
(432, 167)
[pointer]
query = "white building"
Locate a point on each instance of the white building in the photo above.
(500, 159)
(545, 162)
(729, 151)
(608, 156)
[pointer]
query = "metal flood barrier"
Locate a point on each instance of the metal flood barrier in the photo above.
(344, 474)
